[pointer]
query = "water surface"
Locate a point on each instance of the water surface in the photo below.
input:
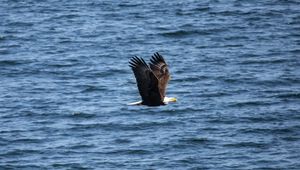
(65, 83)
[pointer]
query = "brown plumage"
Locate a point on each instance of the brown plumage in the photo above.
(151, 81)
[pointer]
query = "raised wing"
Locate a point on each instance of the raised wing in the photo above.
(146, 81)
(160, 69)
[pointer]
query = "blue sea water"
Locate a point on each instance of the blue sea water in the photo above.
(65, 83)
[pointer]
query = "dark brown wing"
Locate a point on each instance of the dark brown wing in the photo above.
(161, 71)
(146, 81)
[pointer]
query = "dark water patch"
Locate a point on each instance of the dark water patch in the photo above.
(292, 95)
(91, 88)
(238, 79)
(28, 166)
(188, 160)
(136, 152)
(290, 79)
(295, 35)
(69, 165)
(4, 51)
(179, 33)
(150, 125)
(62, 64)
(65, 16)
(262, 118)
(266, 61)
(3, 141)
(129, 5)
(44, 122)
(166, 111)
(20, 152)
(20, 24)
(233, 45)
(236, 38)
(196, 141)
(248, 145)
(122, 141)
(121, 126)
(13, 131)
(250, 103)
(81, 146)
(202, 47)
(281, 81)
(107, 73)
(291, 138)
(2, 38)
(185, 33)
(181, 13)
(233, 13)
(116, 71)
(190, 78)
(209, 129)
(24, 141)
(181, 110)
(215, 94)
(14, 62)
(275, 131)
(249, 55)
(201, 9)
(295, 51)
(81, 115)
(221, 120)
(65, 41)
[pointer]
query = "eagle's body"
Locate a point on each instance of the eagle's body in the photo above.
(151, 81)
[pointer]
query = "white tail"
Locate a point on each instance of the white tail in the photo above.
(135, 103)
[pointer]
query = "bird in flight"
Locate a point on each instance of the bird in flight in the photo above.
(152, 80)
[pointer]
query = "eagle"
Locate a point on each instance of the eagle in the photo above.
(152, 80)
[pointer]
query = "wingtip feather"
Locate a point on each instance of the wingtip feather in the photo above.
(156, 58)
(137, 61)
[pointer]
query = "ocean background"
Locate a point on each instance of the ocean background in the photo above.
(65, 84)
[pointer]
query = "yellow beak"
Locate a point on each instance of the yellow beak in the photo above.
(172, 99)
